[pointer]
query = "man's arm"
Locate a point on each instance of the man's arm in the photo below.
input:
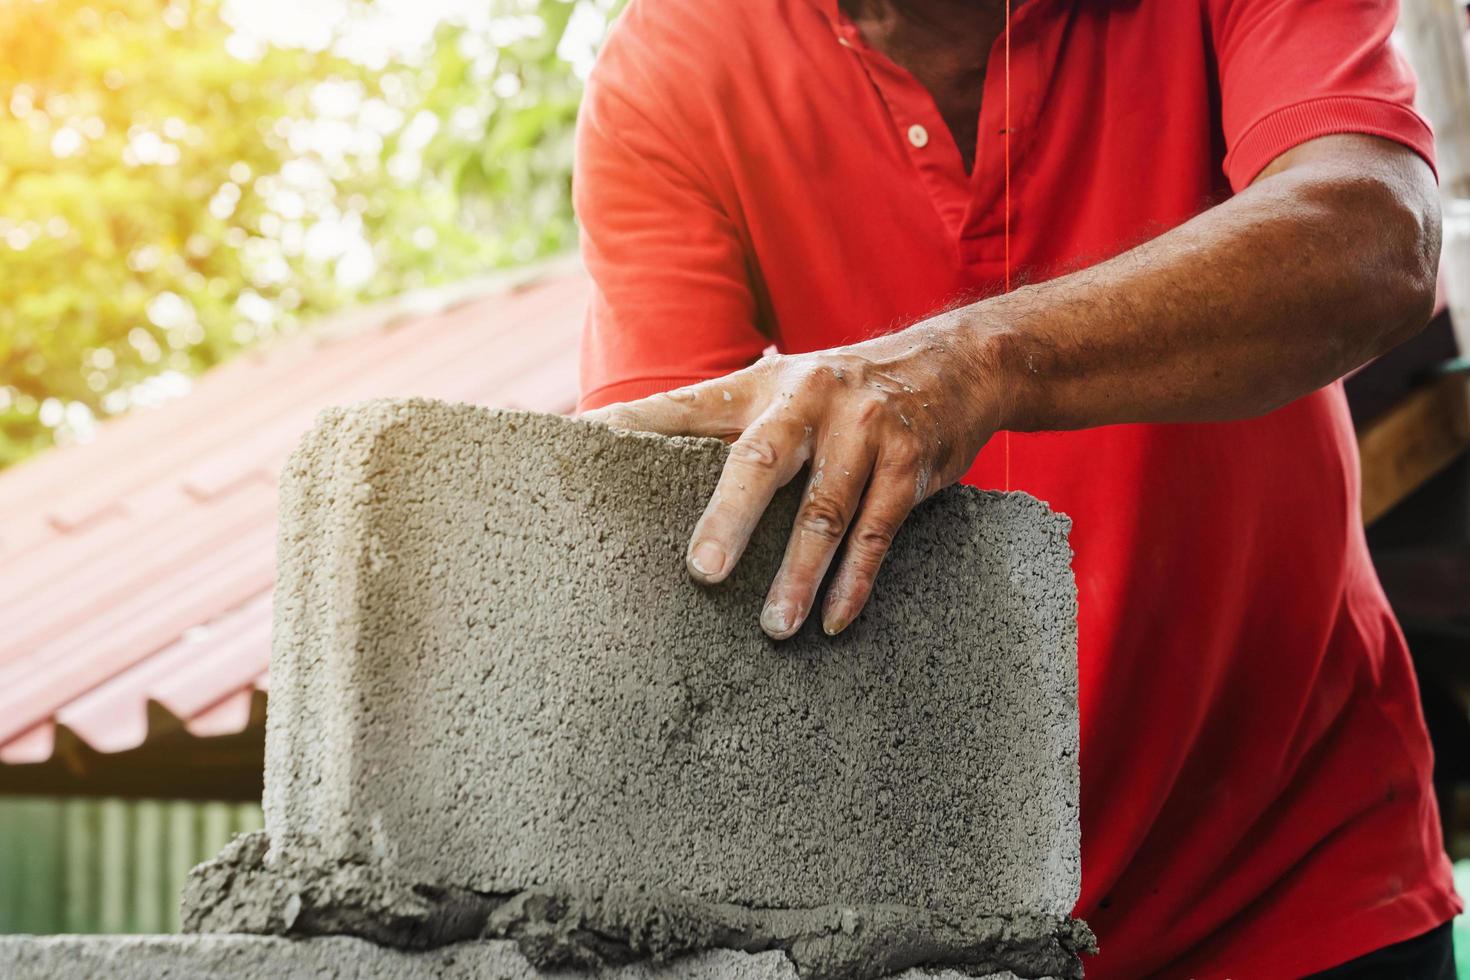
(1326, 260)
(672, 300)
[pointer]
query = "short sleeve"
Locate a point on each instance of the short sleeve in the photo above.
(672, 301)
(1294, 70)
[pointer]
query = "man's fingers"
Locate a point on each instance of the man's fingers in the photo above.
(719, 408)
(832, 493)
(765, 457)
(895, 488)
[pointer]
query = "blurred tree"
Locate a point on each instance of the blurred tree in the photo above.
(172, 190)
(500, 152)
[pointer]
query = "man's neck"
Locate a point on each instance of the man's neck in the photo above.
(945, 44)
(926, 23)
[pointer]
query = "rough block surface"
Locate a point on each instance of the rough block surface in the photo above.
(341, 958)
(491, 674)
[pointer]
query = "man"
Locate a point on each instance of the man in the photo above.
(1210, 211)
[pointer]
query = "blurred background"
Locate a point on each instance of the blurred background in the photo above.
(219, 216)
(334, 199)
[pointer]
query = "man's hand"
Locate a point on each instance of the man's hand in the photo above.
(883, 424)
(1326, 261)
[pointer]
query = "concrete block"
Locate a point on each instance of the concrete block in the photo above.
(491, 673)
(343, 958)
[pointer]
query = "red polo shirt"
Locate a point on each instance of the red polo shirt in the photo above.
(1255, 770)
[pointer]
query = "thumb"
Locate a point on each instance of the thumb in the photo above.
(710, 408)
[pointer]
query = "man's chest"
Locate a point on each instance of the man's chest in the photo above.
(859, 209)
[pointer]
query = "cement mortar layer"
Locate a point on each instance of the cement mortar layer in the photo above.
(246, 890)
(490, 672)
(340, 958)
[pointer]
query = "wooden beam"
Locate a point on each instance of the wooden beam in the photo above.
(176, 766)
(1411, 442)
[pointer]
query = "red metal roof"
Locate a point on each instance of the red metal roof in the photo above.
(137, 568)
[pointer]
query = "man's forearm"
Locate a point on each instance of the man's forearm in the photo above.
(1325, 261)
(1320, 265)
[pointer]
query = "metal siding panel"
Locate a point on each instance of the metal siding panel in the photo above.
(183, 853)
(47, 867)
(248, 817)
(113, 867)
(9, 874)
(88, 866)
(80, 844)
(148, 855)
(38, 895)
(217, 818)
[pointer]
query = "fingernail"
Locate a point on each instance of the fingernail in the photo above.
(707, 558)
(776, 617)
(832, 623)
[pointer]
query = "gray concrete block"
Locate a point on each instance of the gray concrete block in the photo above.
(490, 671)
(341, 958)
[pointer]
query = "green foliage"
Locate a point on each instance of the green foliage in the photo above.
(171, 191)
(500, 156)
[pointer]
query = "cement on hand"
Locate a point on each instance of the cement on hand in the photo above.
(492, 677)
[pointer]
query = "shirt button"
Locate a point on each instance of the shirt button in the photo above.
(918, 136)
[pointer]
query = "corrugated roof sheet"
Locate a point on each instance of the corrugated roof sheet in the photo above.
(137, 568)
